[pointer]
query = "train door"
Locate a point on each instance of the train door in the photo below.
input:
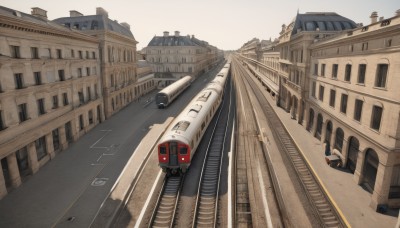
(173, 154)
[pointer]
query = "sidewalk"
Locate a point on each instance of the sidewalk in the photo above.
(351, 198)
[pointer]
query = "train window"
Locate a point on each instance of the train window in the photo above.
(181, 126)
(203, 125)
(163, 150)
(183, 151)
(204, 97)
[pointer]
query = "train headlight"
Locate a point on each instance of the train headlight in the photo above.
(164, 158)
(183, 159)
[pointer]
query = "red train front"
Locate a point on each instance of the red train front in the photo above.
(173, 156)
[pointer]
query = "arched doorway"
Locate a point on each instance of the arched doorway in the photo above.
(310, 120)
(320, 121)
(370, 170)
(339, 139)
(352, 154)
(328, 134)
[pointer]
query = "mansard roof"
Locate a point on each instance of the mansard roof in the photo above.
(171, 41)
(29, 18)
(325, 21)
(94, 22)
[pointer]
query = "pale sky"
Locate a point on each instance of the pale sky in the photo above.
(226, 24)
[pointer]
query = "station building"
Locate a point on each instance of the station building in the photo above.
(174, 56)
(354, 104)
(50, 91)
(118, 56)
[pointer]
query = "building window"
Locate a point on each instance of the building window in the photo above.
(19, 82)
(358, 109)
(81, 122)
(38, 77)
(56, 139)
(361, 73)
(15, 53)
(2, 125)
(80, 54)
(112, 80)
(65, 99)
(49, 52)
(388, 42)
(79, 72)
(61, 75)
(55, 101)
(364, 46)
(376, 117)
(334, 70)
(87, 54)
(347, 73)
(41, 147)
(68, 132)
(41, 109)
(72, 53)
(343, 104)
(81, 98)
(323, 70)
(321, 93)
(87, 71)
(90, 116)
(22, 112)
(94, 55)
(95, 91)
(381, 74)
(313, 88)
(34, 53)
(88, 93)
(332, 98)
(59, 54)
(316, 69)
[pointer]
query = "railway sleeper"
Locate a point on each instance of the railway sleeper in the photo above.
(332, 224)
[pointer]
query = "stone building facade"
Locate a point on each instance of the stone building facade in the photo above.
(118, 56)
(173, 57)
(50, 91)
(354, 104)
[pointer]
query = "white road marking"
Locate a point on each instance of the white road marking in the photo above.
(139, 220)
(92, 146)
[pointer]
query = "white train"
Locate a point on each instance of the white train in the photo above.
(179, 142)
(169, 93)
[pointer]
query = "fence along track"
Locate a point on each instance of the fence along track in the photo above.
(164, 211)
(322, 205)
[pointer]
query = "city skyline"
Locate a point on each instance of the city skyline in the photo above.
(207, 20)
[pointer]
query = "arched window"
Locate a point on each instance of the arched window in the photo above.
(339, 139)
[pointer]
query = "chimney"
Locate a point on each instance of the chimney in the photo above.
(74, 13)
(126, 25)
(176, 33)
(101, 11)
(374, 17)
(166, 33)
(40, 13)
(397, 13)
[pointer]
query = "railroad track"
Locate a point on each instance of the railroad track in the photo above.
(206, 206)
(321, 204)
(164, 211)
(243, 216)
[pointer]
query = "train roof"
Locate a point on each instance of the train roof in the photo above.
(176, 84)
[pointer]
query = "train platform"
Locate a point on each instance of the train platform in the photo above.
(352, 200)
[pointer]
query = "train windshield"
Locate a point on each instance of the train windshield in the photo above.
(183, 151)
(161, 98)
(163, 150)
